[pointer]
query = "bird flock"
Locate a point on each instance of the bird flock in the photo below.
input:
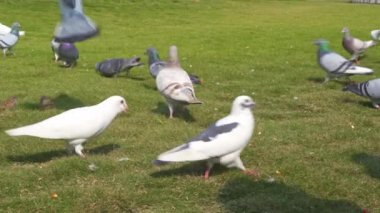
(222, 142)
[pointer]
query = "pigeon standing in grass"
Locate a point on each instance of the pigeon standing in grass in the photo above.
(74, 25)
(222, 142)
(112, 67)
(369, 89)
(355, 46)
(10, 39)
(154, 61)
(336, 65)
(76, 125)
(66, 52)
(175, 85)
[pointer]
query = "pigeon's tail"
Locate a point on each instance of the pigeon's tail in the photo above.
(369, 44)
(18, 131)
(180, 154)
(375, 34)
(359, 89)
(357, 70)
(153, 56)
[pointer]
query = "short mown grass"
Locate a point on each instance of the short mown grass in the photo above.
(318, 143)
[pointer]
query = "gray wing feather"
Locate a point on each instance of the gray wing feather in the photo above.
(213, 130)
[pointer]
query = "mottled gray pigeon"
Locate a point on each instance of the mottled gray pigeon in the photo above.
(66, 52)
(175, 85)
(222, 142)
(369, 89)
(9, 40)
(336, 65)
(112, 67)
(355, 46)
(76, 125)
(74, 25)
(155, 63)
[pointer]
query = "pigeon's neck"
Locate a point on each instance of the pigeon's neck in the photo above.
(15, 31)
(324, 48)
(153, 57)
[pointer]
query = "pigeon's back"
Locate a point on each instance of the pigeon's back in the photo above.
(333, 62)
(109, 67)
(68, 52)
(172, 75)
(8, 40)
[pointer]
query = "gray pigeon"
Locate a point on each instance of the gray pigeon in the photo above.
(66, 52)
(112, 67)
(155, 64)
(74, 25)
(175, 84)
(370, 89)
(355, 46)
(222, 142)
(336, 65)
(76, 125)
(9, 40)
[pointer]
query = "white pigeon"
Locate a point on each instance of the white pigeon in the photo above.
(222, 142)
(175, 84)
(9, 40)
(4, 29)
(76, 125)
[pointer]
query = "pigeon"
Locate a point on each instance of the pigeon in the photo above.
(4, 29)
(66, 52)
(9, 103)
(375, 34)
(175, 85)
(336, 65)
(370, 89)
(155, 64)
(76, 125)
(355, 46)
(222, 142)
(46, 103)
(112, 67)
(74, 25)
(9, 40)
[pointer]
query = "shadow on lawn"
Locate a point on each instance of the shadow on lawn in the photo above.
(195, 169)
(47, 156)
(62, 102)
(163, 109)
(370, 162)
(320, 80)
(246, 195)
(366, 104)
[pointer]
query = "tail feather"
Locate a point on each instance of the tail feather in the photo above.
(368, 44)
(357, 70)
(359, 89)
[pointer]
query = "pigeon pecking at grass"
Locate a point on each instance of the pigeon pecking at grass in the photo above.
(369, 89)
(113, 67)
(65, 52)
(336, 65)
(76, 125)
(74, 25)
(175, 84)
(355, 46)
(9, 40)
(222, 142)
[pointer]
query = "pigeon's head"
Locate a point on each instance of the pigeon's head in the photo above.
(321, 42)
(133, 62)
(15, 28)
(345, 30)
(242, 103)
(117, 103)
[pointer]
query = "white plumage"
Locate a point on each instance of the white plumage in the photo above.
(221, 143)
(174, 84)
(76, 125)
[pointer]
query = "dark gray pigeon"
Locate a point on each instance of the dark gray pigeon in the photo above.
(369, 89)
(7, 41)
(355, 46)
(336, 65)
(74, 25)
(66, 52)
(112, 67)
(155, 64)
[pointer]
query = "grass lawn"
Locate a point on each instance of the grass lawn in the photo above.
(318, 143)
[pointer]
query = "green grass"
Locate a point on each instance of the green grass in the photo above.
(259, 48)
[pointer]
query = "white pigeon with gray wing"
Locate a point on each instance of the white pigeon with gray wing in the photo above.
(336, 65)
(76, 125)
(355, 46)
(369, 89)
(9, 40)
(4, 29)
(175, 84)
(222, 142)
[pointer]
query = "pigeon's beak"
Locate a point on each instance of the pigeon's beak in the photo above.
(125, 108)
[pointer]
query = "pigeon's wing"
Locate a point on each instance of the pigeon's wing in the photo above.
(8, 40)
(4, 29)
(109, 67)
(170, 76)
(215, 141)
(76, 123)
(337, 64)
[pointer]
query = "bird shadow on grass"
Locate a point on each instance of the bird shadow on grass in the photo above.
(183, 113)
(366, 104)
(370, 162)
(62, 102)
(321, 80)
(244, 194)
(42, 157)
(195, 169)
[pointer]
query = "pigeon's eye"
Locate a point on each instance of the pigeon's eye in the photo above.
(246, 100)
(121, 101)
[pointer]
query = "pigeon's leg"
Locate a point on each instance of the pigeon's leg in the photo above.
(208, 169)
(77, 145)
(376, 105)
(327, 78)
(4, 52)
(171, 110)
